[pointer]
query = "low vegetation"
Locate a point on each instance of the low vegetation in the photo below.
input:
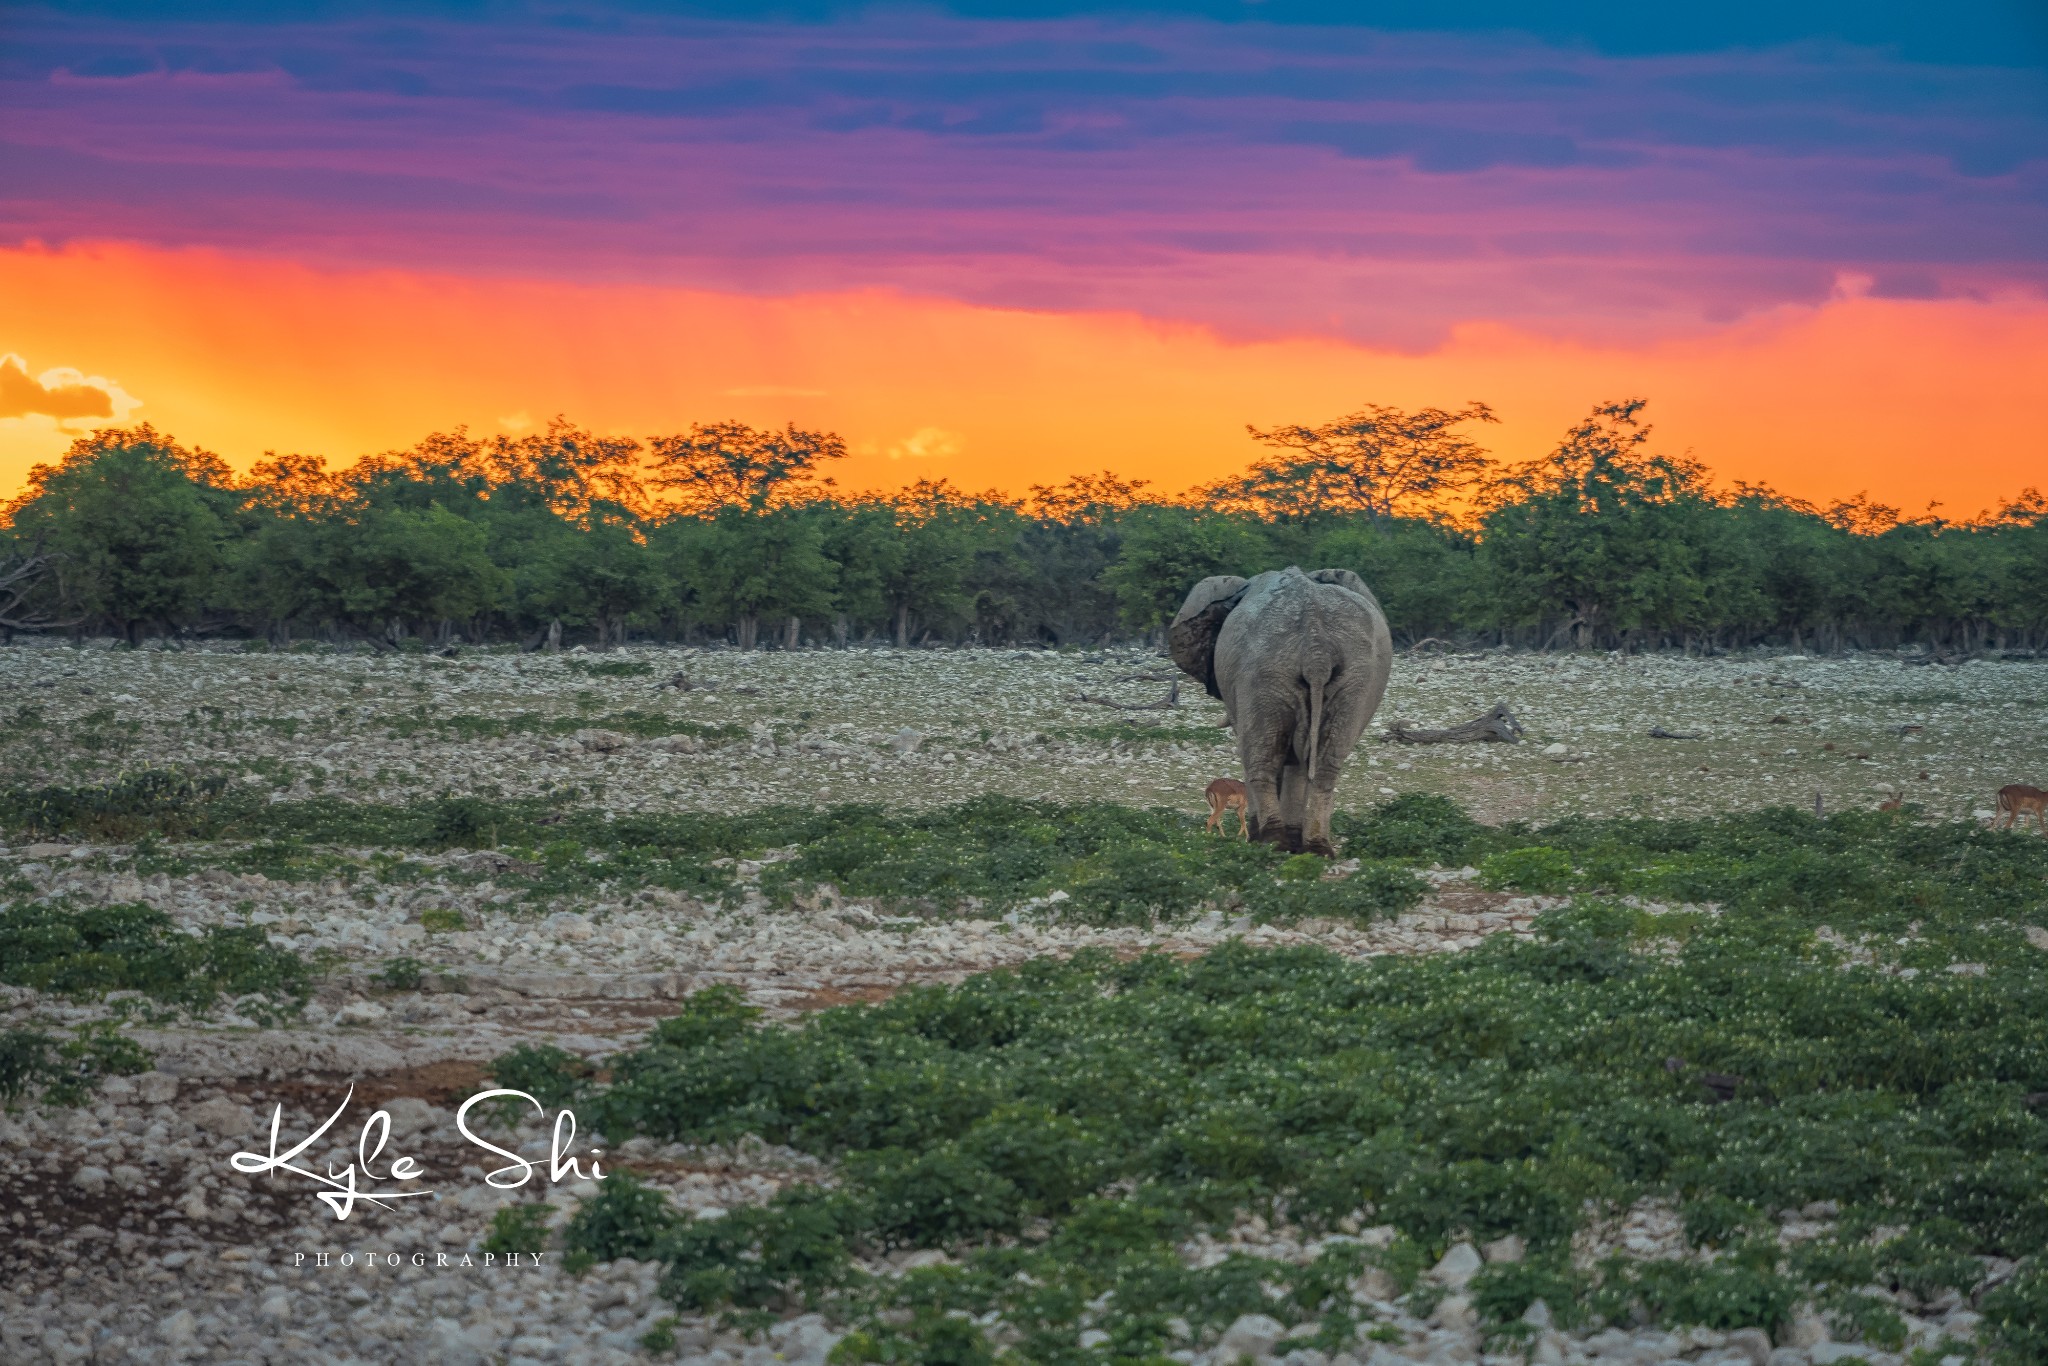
(35, 1063)
(140, 953)
(1846, 1012)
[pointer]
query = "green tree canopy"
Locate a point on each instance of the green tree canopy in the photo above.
(135, 526)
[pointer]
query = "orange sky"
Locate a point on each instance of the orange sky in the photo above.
(1910, 400)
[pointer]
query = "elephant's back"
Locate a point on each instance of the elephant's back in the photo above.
(1285, 617)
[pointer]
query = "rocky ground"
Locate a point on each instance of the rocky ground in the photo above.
(688, 729)
(130, 1237)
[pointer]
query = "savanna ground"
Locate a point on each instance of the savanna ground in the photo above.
(1707, 1078)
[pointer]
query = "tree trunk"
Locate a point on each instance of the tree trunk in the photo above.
(903, 627)
(792, 636)
(554, 646)
(839, 631)
(749, 628)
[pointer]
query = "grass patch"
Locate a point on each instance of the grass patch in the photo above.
(1063, 1126)
(1143, 732)
(633, 721)
(87, 954)
(610, 668)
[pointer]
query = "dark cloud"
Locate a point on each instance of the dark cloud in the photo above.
(22, 394)
(1153, 159)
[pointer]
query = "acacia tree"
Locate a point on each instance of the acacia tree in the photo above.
(1379, 461)
(1602, 531)
(729, 464)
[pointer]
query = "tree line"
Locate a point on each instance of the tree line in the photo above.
(730, 533)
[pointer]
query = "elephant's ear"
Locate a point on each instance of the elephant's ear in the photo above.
(1344, 578)
(1192, 637)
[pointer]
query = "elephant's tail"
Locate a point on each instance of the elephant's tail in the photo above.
(1314, 678)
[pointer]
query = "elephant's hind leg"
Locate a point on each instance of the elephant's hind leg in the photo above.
(1294, 800)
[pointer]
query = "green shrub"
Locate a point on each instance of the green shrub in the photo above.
(1376, 891)
(401, 974)
(1538, 870)
(716, 1013)
(2016, 1317)
(553, 1076)
(934, 1198)
(625, 1218)
(442, 920)
(1419, 826)
(66, 1072)
(1503, 1291)
(518, 1228)
(84, 954)
(166, 802)
(1301, 868)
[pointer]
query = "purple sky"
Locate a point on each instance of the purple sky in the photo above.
(1259, 178)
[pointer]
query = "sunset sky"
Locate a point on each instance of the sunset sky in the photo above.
(1004, 241)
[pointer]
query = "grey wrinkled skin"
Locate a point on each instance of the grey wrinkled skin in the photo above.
(1300, 662)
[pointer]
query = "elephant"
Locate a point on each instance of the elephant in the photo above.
(1300, 663)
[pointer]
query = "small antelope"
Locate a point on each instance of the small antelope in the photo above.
(1895, 802)
(2016, 800)
(1226, 795)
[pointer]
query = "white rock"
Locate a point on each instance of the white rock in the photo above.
(1375, 1284)
(1557, 748)
(1454, 1312)
(1253, 1335)
(1458, 1266)
(1803, 1329)
(450, 1344)
(2037, 936)
(222, 1117)
(276, 1306)
(180, 1327)
(90, 1179)
(410, 1115)
(1508, 1249)
(1537, 1315)
(1829, 1353)
(568, 925)
(360, 1012)
(1753, 1343)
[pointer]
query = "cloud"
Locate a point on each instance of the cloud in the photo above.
(928, 443)
(63, 393)
(1257, 178)
(516, 422)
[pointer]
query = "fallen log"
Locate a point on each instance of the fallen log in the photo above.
(1172, 699)
(1498, 725)
(1659, 733)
